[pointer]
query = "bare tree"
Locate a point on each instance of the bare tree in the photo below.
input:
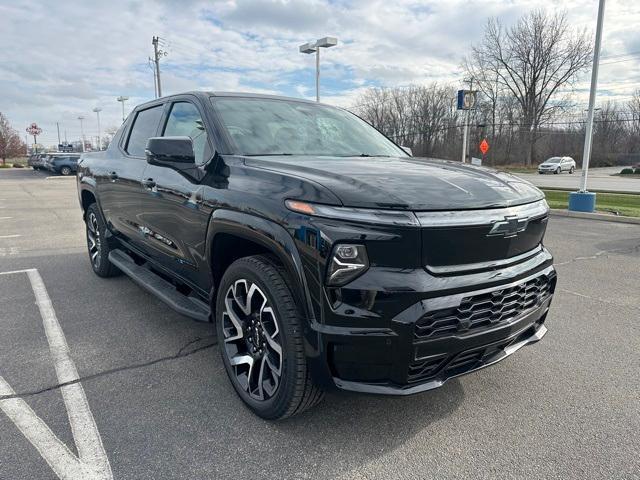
(419, 117)
(10, 143)
(532, 61)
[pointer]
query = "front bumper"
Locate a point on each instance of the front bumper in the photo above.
(400, 356)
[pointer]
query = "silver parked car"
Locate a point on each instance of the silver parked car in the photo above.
(557, 165)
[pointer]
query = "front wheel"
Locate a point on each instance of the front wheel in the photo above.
(557, 171)
(97, 245)
(65, 171)
(572, 169)
(260, 332)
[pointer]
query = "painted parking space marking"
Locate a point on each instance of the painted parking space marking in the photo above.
(5, 218)
(92, 462)
(10, 236)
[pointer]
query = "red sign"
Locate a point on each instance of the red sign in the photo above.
(34, 129)
(484, 146)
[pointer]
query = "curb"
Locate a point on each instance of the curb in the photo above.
(603, 217)
(595, 190)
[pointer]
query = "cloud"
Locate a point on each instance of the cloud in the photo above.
(61, 59)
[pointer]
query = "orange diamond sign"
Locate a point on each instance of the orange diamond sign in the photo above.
(484, 146)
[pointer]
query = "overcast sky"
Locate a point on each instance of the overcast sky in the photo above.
(59, 60)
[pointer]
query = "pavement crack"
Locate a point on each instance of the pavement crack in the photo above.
(185, 351)
(635, 248)
(597, 299)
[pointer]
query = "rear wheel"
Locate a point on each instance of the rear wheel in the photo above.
(97, 245)
(260, 332)
(557, 170)
(65, 171)
(572, 169)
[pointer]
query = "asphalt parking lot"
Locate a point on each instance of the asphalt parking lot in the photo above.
(161, 406)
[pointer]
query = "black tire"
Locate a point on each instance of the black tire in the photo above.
(97, 245)
(66, 171)
(571, 170)
(557, 171)
(293, 390)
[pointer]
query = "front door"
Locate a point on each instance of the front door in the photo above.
(119, 182)
(173, 210)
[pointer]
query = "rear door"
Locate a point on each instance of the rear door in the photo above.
(173, 209)
(118, 183)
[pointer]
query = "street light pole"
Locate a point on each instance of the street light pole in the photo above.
(582, 200)
(81, 118)
(315, 47)
(317, 74)
(98, 110)
(592, 99)
(122, 99)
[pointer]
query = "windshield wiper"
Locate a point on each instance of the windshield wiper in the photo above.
(362, 155)
(268, 154)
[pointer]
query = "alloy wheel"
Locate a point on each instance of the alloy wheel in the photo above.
(252, 340)
(93, 240)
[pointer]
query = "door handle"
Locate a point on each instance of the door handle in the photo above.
(113, 176)
(148, 183)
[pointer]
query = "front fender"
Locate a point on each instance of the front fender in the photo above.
(271, 236)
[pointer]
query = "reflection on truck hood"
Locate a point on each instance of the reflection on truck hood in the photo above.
(407, 183)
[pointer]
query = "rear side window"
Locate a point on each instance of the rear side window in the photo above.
(144, 127)
(185, 121)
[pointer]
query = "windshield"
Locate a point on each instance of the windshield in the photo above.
(553, 160)
(261, 126)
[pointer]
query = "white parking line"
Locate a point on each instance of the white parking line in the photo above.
(92, 462)
(5, 218)
(10, 236)
(60, 177)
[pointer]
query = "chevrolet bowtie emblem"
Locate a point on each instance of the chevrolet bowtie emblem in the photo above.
(509, 227)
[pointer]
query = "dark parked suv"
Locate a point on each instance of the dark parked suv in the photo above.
(65, 164)
(327, 256)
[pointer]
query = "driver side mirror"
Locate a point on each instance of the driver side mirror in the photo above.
(165, 151)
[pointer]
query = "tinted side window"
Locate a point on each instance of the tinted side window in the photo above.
(184, 120)
(144, 127)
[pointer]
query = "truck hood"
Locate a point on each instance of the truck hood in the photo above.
(405, 183)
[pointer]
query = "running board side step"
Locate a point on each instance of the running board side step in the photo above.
(158, 286)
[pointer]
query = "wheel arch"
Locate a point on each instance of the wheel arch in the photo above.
(87, 197)
(232, 235)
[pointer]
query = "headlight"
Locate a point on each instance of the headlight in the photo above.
(366, 215)
(346, 263)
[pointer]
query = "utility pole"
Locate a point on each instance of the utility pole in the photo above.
(582, 200)
(466, 133)
(26, 143)
(58, 127)
(152, 64)
(156, 55)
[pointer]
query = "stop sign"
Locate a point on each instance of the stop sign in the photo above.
(484, 146)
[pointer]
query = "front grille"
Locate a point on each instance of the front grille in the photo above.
(484, 310)
(443, 367)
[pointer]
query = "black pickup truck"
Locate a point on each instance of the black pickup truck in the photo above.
(326, 255)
